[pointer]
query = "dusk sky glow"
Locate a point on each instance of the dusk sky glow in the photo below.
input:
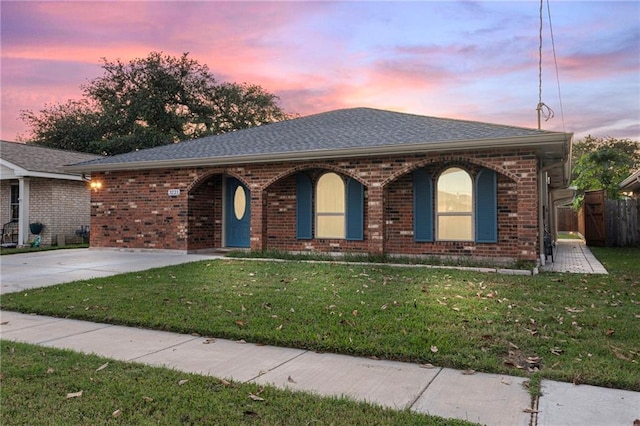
(474, 60)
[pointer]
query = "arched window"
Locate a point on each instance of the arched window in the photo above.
(454, 211)
(330, 206)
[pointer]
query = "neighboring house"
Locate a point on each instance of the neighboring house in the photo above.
(356, 180)
(35, 188)
(631, 185)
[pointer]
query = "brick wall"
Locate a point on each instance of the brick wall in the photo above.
(133, 209)
(61, 205)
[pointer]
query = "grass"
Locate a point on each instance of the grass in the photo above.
(16, 250)
(569, 327)
(569, 235)
(36, 382)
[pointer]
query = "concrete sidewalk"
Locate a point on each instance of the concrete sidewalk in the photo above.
(490, 399)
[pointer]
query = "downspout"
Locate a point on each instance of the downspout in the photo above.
(542, 202)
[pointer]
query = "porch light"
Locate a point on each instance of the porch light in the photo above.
(95, 185)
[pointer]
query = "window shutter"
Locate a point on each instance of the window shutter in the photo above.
(304, 207)
(486, 207)
(422, 206)
(355, 210)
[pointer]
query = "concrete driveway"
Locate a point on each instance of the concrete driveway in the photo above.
(40, 269)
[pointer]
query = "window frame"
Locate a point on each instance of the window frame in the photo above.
(335, 214)
(438, 214)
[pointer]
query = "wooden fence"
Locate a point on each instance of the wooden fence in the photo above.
(567, 219)
(622, 222)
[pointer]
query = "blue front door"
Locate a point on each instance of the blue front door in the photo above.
(237, 214)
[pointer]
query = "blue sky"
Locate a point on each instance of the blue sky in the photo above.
(468, 60)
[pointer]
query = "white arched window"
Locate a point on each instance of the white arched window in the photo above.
(330, 206)
(454, 212)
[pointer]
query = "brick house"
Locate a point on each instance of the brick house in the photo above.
(631, 185)
(356, 180)
(35, 188)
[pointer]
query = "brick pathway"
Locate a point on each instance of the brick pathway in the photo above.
(574, 256)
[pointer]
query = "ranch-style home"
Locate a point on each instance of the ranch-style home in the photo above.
(34, 188)
(354, 180)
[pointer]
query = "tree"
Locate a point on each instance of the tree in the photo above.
(602, 163)
(149, 102)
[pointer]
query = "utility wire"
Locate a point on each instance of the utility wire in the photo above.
(555, 60)
(542, 108)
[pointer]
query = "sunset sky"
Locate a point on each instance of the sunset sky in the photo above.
(475, 60)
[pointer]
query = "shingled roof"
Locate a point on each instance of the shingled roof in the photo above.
(333, 134)
(32, 159)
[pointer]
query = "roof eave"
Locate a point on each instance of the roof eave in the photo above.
(536, 141)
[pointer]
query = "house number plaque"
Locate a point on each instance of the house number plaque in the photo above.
(174, 192)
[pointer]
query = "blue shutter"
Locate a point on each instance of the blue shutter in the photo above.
(486, 207)
(422, 206)
(355, 210)
(304, 207)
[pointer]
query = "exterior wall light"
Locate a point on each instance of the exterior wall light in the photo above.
(95, 185)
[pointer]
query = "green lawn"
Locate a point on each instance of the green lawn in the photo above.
(569, 327)
(41, 386)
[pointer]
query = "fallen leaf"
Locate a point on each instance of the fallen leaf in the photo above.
(505, 381)
(290, 380)
(4, 322)
(239, 323)
(250, 413)
(74, 395)
(102, 367)
(383, 307)
(256, 397)
(148, 399)
(225, 382)
(208, 341)
(241, 341)
(556, 351)
(182, 382)
(429, 366)
(50, 370)
(469, 372)
(434, 349)
(117, 413)
(610, 331)
(573, 310)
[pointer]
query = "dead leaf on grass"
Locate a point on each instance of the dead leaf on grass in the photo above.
(610, 332)
(102, 367)
(74, 395)
(50, 370)
(182, 382)
(117, 413)
(147, 398)
(256, 397)
(225, 382)
(239, 323)
(434, 349)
